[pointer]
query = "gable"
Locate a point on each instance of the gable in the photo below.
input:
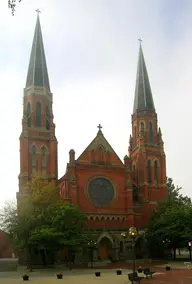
(99, 151)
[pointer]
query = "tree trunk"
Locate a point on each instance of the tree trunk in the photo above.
(29, 259)
(43, 257)
(52, 257)
(174, 253)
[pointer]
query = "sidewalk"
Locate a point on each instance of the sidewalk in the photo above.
(175, 265)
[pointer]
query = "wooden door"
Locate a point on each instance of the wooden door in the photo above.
(103, 252)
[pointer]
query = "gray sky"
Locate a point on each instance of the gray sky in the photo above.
(92, 50)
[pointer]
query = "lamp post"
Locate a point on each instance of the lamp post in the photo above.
(132, 235)
(91, 246)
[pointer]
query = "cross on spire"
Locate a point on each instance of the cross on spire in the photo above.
(140, 40)
(38, 11)
(99, 126)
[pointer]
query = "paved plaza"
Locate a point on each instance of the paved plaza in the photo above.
(176, 276)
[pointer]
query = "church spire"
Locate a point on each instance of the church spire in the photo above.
(143, 95)
(37, 72)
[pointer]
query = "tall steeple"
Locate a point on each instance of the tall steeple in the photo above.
(146, 145)
(37, 71)
(143, 95)
(38, 143)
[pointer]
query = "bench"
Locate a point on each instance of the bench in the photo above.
(133, 277)
(148, 272)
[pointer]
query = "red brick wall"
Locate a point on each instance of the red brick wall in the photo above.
(6, 249)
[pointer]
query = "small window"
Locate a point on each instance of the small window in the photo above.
(29, 114)
(44, 159)
(38, 114)
(150, 132)
(33, 158)
(149, 170)
(47, 118)
(134, 172)
(100, 154)
(156, 174)
(142, 127)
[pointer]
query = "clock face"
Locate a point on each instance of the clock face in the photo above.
(101, 192)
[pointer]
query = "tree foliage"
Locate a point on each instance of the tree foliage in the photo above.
(170, 224)
(42, 221)
(12, 5)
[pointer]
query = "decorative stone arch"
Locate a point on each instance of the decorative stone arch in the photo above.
(100, 147)
(102, 218)
(142, 125)
(105, 235)
(118, 218)
(31, 147)
(97, 218)
(123, 218)
(155, 160)
(134, 166)
(107, 218)
(90, 217)
(149, 159)
(44, 146)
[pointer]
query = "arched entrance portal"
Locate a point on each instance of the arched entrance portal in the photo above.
(104, 249)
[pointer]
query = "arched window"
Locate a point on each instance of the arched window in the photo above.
(142, 127)
(43, 159)
(121, 246)
(100, 154)
(47, 118)
(150, 132)
(134, 172)
(156, 172)
(29, 114)
(33, 158)
(135, 136)
(149, 171)
(38, 114)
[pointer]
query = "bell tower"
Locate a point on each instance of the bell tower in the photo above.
(146, 147)
(38, 143)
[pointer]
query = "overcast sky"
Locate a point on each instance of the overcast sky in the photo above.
(92, 50)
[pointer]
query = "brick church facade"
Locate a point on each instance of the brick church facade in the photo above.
(115, 195)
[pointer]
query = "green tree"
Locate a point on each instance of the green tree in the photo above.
(170, 225)
(43, 222)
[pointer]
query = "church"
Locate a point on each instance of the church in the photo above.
(114, 194)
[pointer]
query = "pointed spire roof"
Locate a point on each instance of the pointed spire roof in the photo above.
(143, 95)
(37, 72)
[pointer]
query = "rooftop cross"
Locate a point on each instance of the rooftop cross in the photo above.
(38, 11)
(99, 126)
(140, 40)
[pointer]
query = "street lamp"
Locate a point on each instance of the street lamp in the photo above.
(132, 235)
(92, 247)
